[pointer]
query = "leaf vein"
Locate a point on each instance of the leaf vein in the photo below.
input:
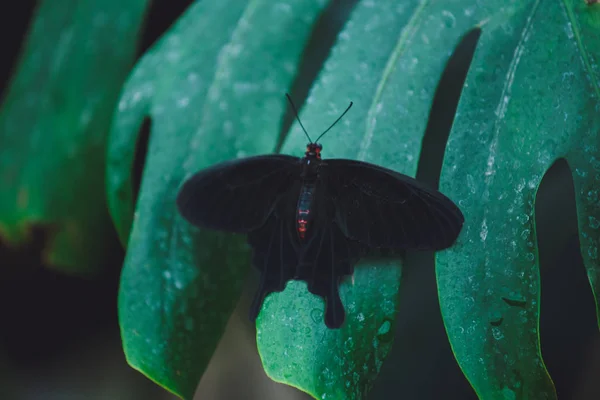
(506, 93)
(406, 34)
(582, 52)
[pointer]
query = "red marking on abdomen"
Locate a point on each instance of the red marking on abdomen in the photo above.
(302, 226)
(303, 210)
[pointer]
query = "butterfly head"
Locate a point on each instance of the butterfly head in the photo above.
(314, 150)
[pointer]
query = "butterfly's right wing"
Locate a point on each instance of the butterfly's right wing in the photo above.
(382, 208)
(239, 195)
(327, 258)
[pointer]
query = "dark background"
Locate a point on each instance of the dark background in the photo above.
(59, 335)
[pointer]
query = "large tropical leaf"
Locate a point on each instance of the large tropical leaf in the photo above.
(394, 55)
(54, 122)
(213, 89)
(532, 96)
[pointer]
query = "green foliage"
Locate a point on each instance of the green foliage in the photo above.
(531, 97)
(213, 90)
(57, 112)
(379, 62)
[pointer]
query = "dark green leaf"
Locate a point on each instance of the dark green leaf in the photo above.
(388, 60)
(54, 122)
(214, 90)
(531, 97)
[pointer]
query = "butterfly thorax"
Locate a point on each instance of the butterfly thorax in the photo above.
(311, 162)
(304, 208)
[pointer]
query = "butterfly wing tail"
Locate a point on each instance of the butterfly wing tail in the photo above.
(275, 258)
(327, 259)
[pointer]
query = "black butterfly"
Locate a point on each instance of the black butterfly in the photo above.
(311, 219)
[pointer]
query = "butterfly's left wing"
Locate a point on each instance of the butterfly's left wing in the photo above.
(382, 208)
(275, 255)
(239, 195)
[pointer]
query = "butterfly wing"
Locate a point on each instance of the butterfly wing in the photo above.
(327, 256)
(239, 195)
(384, 209)
(275, 250)
(327, 259)
(322, 260)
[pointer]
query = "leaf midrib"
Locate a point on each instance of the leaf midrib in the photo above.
(405, 35)
(584, 57)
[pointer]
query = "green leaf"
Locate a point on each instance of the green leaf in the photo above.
(531, 97)
(54, 122)
(388, 60)
(214, 90)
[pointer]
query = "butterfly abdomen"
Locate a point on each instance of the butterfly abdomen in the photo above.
(303, 209)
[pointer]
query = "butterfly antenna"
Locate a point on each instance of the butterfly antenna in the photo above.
(332, 125)
(297, 117)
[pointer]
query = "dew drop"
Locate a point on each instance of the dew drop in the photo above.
(594, 223)
(515, 299)
(569, 30)
(524, 218)
(497, 333)
(593, 252)
(508, 393)
(348, 345)
(385, 333)
(316, 315)
(496, 318)
(183, 102)
(384, 328)
(529, 256)
(449, 18)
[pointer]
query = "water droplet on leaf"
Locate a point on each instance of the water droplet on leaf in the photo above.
(496, 318)
(524, 218)
(508, 394)
(316, 315)
(449, 18)
(497, 333)
(515, 299)
(593, 252)
(348, 345)
(385, 333)
(580, 172)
